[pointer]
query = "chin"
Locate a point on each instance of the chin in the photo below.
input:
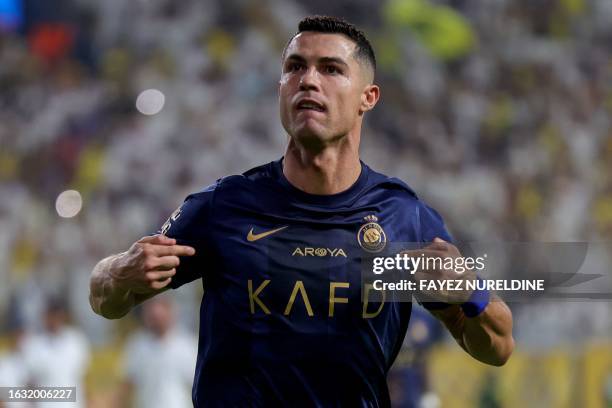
(309, 137)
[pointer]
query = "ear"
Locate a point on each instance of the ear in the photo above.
(369, 97)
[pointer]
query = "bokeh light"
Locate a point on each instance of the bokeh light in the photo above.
(150, 102)
(68, 203)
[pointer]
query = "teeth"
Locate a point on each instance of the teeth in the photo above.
(309, 105)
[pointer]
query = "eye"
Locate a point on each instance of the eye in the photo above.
(294, 66)
(332, 69)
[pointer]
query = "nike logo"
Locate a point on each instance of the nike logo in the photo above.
(254, 237)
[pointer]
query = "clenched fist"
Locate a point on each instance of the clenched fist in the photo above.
(438, 283)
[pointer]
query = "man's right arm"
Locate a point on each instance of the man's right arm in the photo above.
(122, 281)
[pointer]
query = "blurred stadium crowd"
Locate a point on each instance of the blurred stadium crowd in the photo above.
(498, 113)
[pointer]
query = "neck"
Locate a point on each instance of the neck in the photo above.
(329, 170)
(160, 333)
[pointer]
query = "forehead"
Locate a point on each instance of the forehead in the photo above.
(314, 45)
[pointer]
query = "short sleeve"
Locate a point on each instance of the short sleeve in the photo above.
(432, 225)
(188, 224)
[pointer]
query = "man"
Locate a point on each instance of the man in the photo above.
(283, 320)
(59, 356)
(13, 368)
(159, 361)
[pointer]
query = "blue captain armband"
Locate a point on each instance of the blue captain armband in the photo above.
(477, 303)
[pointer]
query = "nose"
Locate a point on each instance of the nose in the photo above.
(309, 80)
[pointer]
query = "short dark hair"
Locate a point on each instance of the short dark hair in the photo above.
(336, 25)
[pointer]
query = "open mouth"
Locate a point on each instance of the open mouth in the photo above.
(310, 105)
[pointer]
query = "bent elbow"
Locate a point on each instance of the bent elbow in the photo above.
(504, 354)
(97, 307)
(112, 316)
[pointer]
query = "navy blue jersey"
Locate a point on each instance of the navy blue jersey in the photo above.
(283, 319)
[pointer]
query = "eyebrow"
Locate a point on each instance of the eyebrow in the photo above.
(324, 60)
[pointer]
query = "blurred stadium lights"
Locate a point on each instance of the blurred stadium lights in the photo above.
(68, 203)
(150, 102)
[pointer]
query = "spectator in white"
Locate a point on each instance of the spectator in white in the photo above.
(159, 362)
(13, 371)
(59, 356)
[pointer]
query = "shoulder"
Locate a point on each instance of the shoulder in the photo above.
(399, 188)
(262, 173)
(34, 343)
(137, 342)
(197, 208)
(428, 219)
(74, 335)
(205, 195)
(184, 341)
(391, 184)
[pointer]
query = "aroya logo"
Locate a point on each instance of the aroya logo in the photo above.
(320, 252)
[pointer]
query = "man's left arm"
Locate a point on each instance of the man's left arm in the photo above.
(480, 322)
(486, 334)
(486, 337)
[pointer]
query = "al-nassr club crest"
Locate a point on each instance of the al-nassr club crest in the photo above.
(371, 236)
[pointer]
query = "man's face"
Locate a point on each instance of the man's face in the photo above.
(158, 316)
(321, 87)
(55, 320)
